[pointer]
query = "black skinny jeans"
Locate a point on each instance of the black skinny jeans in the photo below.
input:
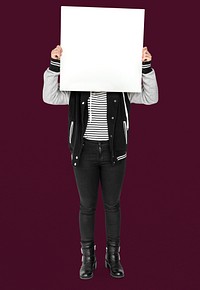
(95, 166)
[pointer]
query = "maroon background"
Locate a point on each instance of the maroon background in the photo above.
(39, 239)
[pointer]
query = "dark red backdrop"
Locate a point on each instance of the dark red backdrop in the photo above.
(39, 201)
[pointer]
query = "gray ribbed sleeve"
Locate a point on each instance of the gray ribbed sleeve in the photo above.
(149, 93)
(51, 91)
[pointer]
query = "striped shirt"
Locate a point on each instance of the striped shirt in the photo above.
(97, 127)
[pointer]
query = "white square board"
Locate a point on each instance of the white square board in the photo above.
(102, 49)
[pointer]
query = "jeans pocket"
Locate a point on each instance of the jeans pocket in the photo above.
(89, 152)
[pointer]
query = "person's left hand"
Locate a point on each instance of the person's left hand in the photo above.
(146, 56)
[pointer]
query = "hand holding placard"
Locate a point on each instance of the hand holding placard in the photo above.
(56, 52)
(146, 56)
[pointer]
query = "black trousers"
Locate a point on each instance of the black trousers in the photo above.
(95, 166)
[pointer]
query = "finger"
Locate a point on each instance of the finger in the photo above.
(58, 48)
(57, 52)
(57, 56)
(147, 59)
(149, 56)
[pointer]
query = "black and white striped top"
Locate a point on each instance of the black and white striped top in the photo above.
(97, 127)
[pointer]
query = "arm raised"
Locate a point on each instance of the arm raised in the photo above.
(51, 89)
(149, 93)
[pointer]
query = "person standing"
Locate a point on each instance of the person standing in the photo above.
(98, 129)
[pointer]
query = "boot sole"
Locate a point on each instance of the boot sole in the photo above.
(88, 278)
(108, 267)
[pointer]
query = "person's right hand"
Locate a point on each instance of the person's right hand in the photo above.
(56, 52)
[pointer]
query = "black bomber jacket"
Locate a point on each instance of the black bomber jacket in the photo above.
(118, 110)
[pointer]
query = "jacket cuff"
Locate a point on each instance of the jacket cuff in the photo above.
(54, 65)
(146, 67)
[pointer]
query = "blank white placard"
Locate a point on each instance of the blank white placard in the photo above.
(102, 49)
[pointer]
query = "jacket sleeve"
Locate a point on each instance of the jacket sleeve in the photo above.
(149, 93)
(51, 91)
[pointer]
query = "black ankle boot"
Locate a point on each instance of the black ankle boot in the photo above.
(112, 260)
(89, 262)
